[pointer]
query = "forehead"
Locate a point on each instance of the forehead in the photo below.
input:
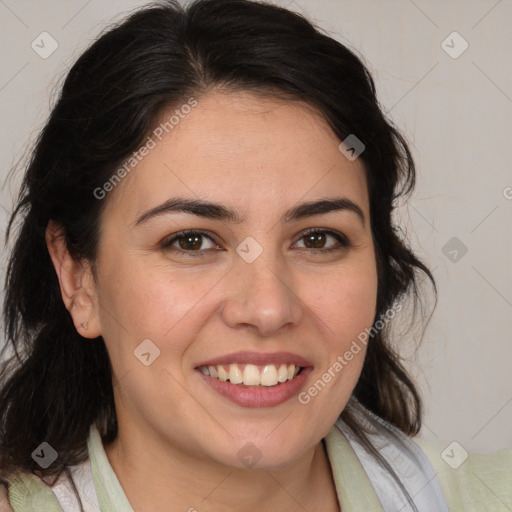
(253, 153)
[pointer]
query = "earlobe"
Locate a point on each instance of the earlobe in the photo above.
(75, 280)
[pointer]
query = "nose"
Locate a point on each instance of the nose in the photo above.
(261, 297)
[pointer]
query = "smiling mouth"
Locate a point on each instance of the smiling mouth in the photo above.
(250, 375)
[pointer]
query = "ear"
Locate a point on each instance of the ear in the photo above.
(76, 280)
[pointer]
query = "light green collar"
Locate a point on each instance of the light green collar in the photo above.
(354, 489)
(108, 489)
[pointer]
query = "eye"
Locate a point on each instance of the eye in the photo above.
(315, 240)
(189, 242)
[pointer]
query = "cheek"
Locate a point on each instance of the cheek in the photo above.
(345, 310)
(140, 292)
(143, 302)
(139, 301)
(347, 304)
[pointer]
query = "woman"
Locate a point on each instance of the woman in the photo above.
(204, 278)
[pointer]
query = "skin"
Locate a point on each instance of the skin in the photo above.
(260, 157)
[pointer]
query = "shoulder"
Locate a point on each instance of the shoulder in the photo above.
(28, 493)
(471, 481)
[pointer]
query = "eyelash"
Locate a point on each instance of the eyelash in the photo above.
(166, 244)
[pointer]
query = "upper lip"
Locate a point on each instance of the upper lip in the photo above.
(258, 359)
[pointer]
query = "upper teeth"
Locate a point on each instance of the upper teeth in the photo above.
(252, 375)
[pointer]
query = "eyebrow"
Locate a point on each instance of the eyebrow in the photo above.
(216, 211)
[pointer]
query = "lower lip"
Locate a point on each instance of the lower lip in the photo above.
(258, 397)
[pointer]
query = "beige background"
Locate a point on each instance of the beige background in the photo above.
(457, 114)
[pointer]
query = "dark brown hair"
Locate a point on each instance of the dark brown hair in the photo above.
(55, 385)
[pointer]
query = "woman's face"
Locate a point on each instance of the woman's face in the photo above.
(256, 290)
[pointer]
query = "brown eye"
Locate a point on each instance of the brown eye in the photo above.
(188, 242)
(317, 239)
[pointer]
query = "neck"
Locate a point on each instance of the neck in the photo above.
(171, 479)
